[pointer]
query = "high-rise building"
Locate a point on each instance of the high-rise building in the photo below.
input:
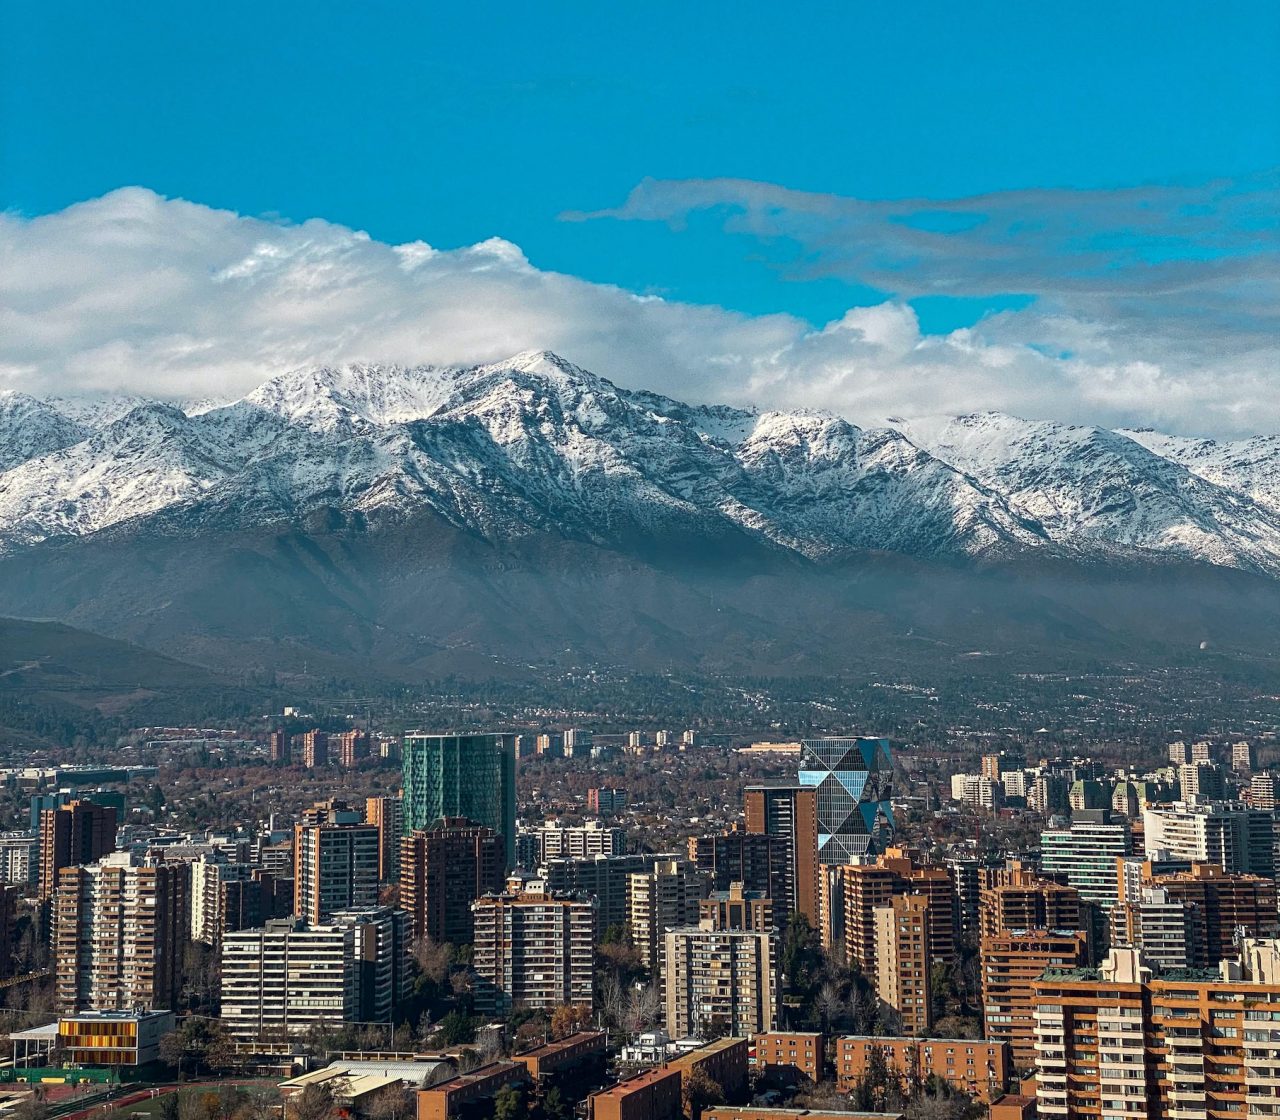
(854, 892)
(386, 814)
(19, 858)
(718, 982)
(78, 833)
(1085, 854)
(854, 780)
(736, 908)
(287, 978)
(550, 745)
(933, 883)
(352, 748)
(604, 878)
(533, 950)
(278, 748)
(1049, 794)
(315, 749)
(379, 958)
(966, 885)
(209, 874)
(1215, 907)
(665, 896)
(903, 962)
(1011, 964)
(8, 914)
(758, 861)
(558, 841)
(978, 791)
(119, 930)
(1180, 752)
(1264, 791)
(577, 743)
(1125, 1041)
(1232, 835)
(249, 903)
(1243, 756)
(335, 862)
(1169, 931)
(790, 812)
(443, 870)
(1202, 781)
(606, 801)
(472, 776)
(1020, 899)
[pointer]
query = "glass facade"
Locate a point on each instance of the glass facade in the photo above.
(854, 779)
(472, 776)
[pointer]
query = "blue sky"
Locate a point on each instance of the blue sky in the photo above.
(455, 123)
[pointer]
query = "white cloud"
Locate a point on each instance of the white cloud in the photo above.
(133, 292)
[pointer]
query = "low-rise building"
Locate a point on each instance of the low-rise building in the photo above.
(764, 1112)
(803, 1052)
(981, 1068)
(565, 1053)
(95, 1038)
(654, 1094)
(468, 1093)
(724, 1061)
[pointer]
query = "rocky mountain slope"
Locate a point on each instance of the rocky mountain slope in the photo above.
(401, 523)
(536, 445)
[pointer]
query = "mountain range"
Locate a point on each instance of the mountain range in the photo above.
(427, 519)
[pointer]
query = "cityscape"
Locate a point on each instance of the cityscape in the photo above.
(577, 561)
(473, 924)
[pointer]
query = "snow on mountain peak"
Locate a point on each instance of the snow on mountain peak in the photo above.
(535, 443)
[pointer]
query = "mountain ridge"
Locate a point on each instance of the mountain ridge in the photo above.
(535, 444)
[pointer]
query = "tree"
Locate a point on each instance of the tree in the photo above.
(392, 1104)
(315, 1102)
(554, 1106)
(434, 960)
(455, 1029)
(568, 1019)
(508, 1103)
(259, 1102)
(167, 1106)
(699, 1091)
(199, 1044)
(644, 1008)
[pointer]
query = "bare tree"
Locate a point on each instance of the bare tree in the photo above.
(315, 1102)
(644, 1008)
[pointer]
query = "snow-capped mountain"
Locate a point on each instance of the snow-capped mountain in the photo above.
(537, 445)
(30, 428)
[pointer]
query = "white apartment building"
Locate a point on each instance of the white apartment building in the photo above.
(595, 838)
(285, 978)
(1228, 833)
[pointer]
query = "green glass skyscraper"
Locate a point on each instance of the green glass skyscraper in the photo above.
(472, 776)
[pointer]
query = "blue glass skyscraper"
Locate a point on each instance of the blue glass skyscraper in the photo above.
(854, 779)
(471, 776)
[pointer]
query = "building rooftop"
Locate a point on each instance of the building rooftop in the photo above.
(113, 1016)
(33, 1034)
(422, 1073)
